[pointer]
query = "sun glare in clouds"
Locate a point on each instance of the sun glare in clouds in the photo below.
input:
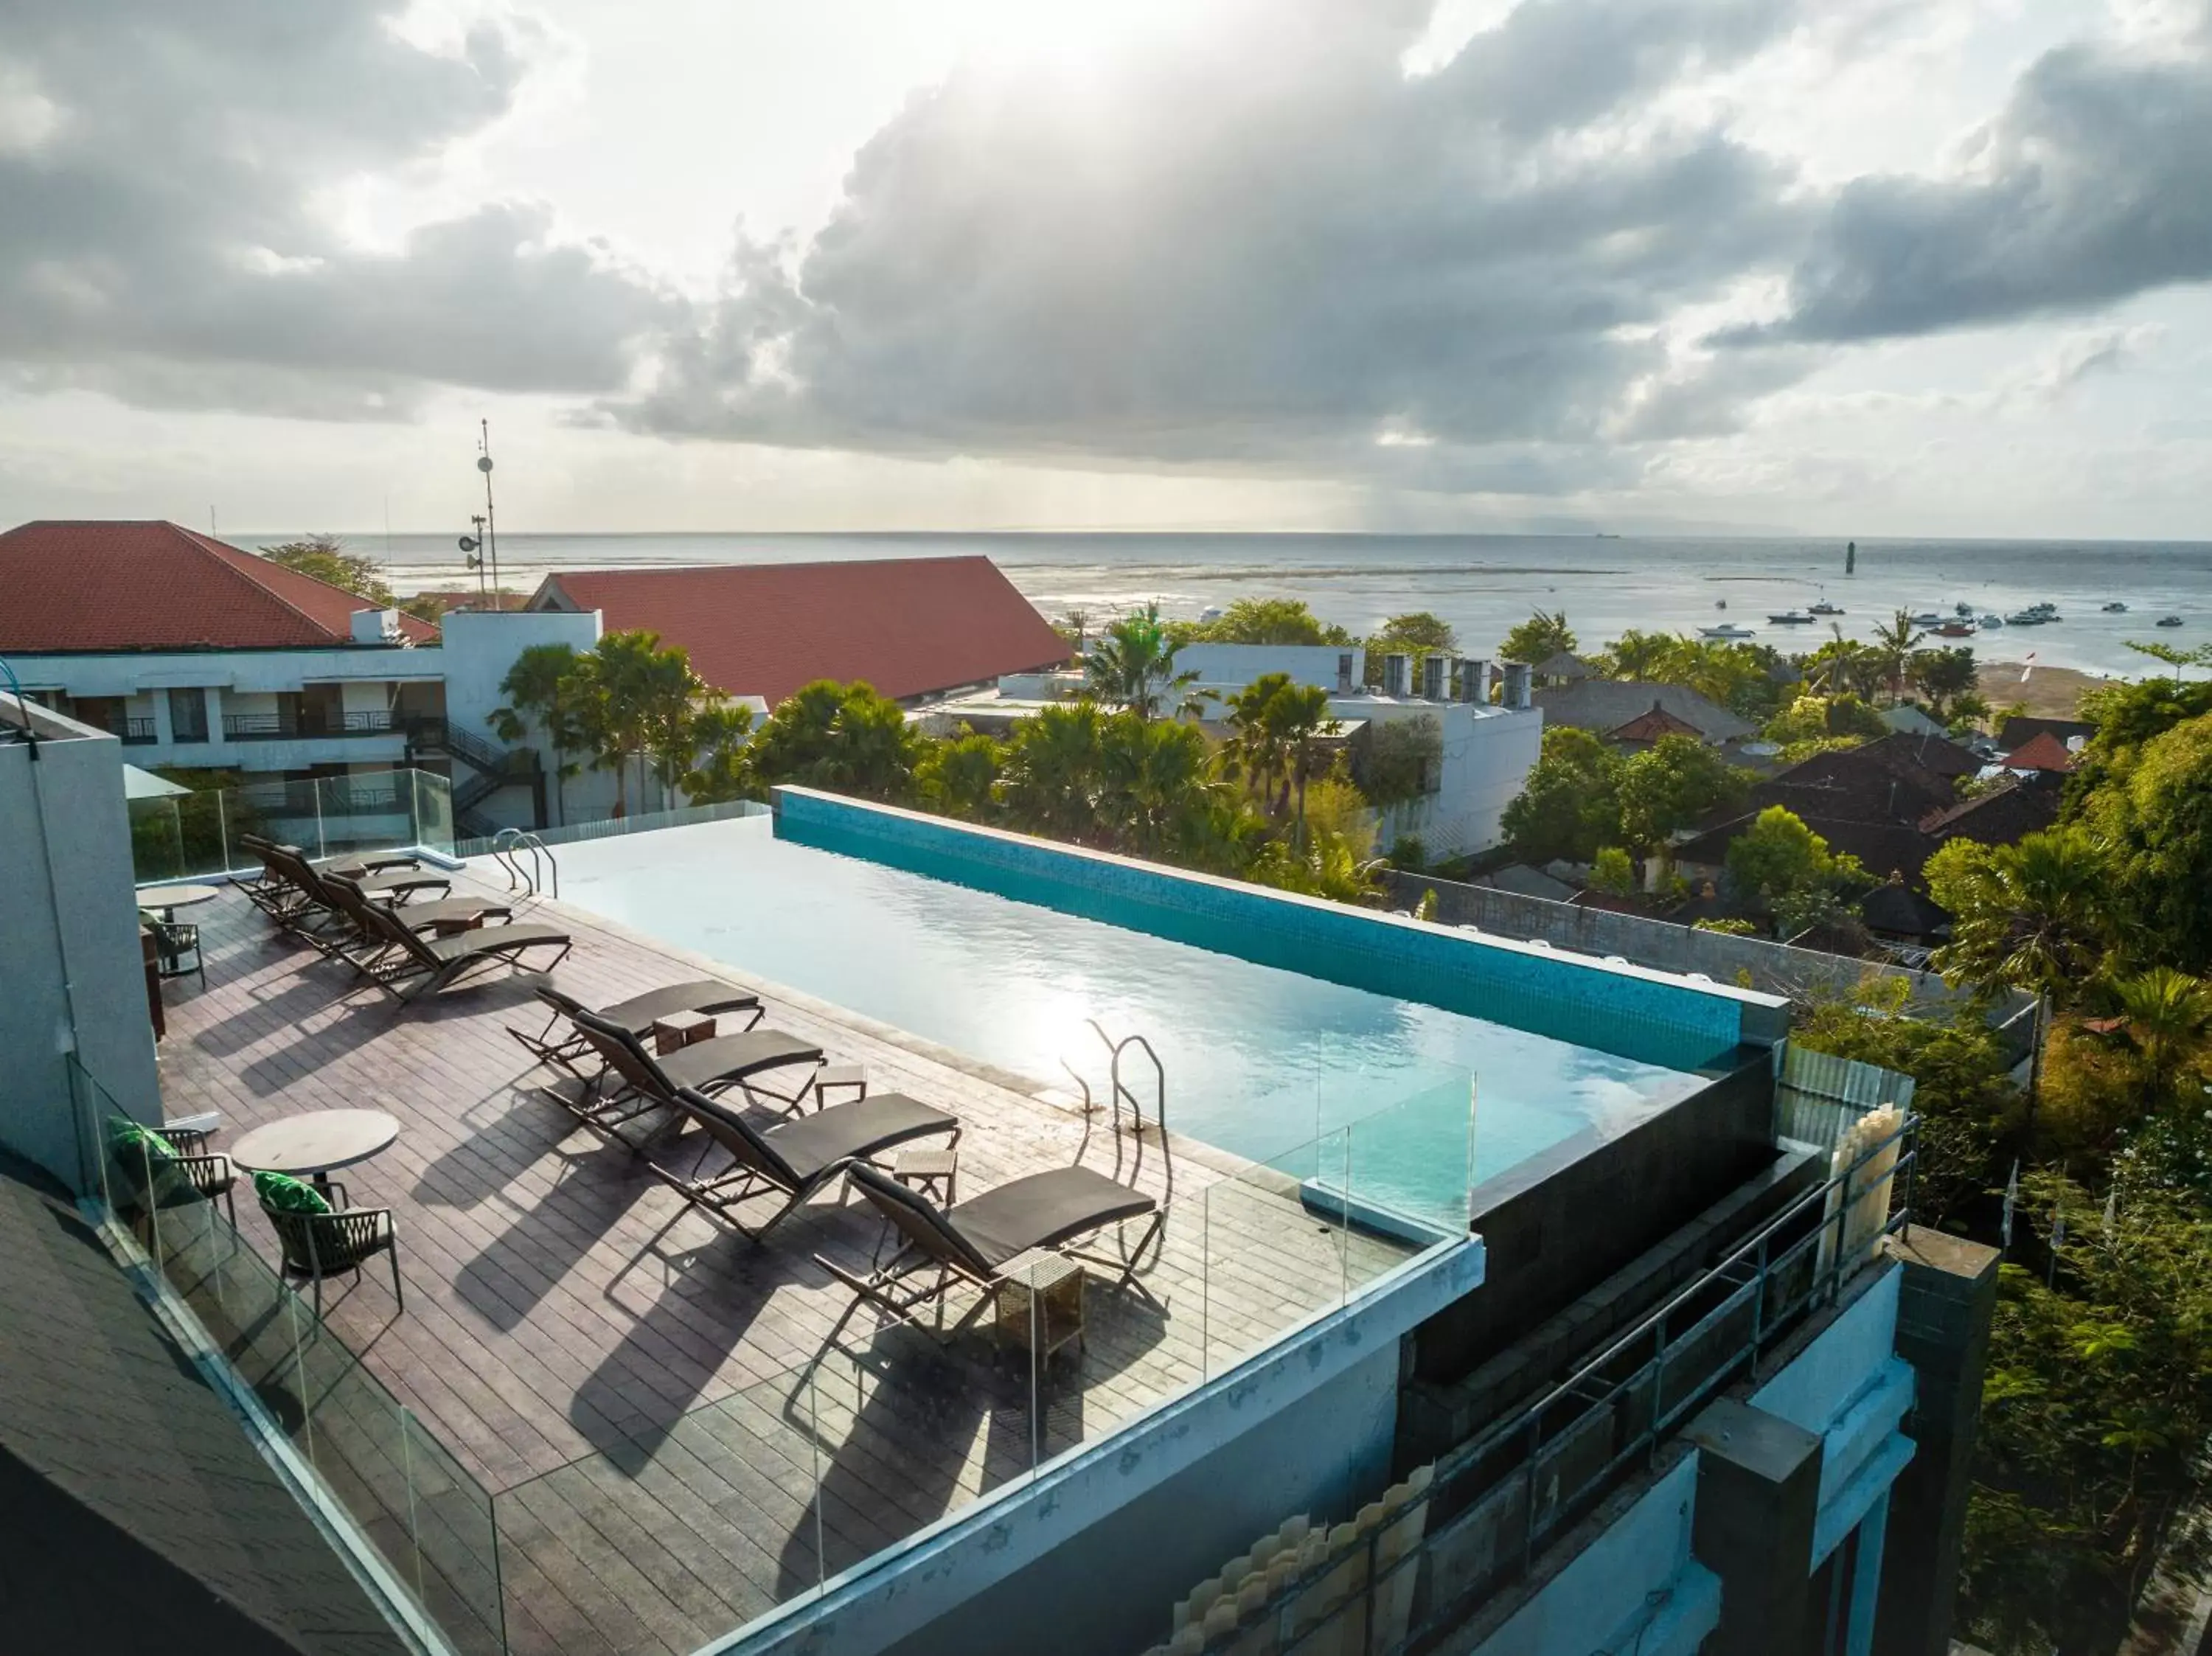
(1068, 38)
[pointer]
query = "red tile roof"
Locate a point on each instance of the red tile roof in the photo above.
(2040, 752)
(107, 585)
(907, 626)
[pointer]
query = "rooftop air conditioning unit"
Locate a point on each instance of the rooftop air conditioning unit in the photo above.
(1398, 676)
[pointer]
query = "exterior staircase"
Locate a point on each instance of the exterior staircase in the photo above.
(490, 769)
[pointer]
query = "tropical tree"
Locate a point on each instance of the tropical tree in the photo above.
(842, 738)
(956, 777)
(716, 768)
(1612, 871)
(1050, 774)
(1416, 635)
(1645, 657)
(541, 687)
(1676, 783)
(1945, 677)
(2094, 1414)
(1892, 646)
(1569, 804)
(2154, 810)
(1396, 760)
(1539, 637)
(324, 558)
(1154, 791)
(1132, 665)
(1254, 751)
(2166, 1024)
(628, 698)
(1263, 620)
(1787, 869)
(2033, 914)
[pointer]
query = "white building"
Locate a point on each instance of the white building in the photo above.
(1482, 752)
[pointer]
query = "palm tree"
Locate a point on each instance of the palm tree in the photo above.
(1132, 664)
(1255, 750)
(1893, 647)
(1051, 774)
(1152, 779)
(1298, 717)
(2032, 914)
(1648, 658)
(542, 686)
(2169, 1025)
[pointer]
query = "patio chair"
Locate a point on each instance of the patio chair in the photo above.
(318, 1237)
(171, 1168)
(311, 906)
(637, 1015)
(795, 1159)
(174, 940)
(965, 1245)
(415, 966)
(364, 946)
(646, 1081)
(280, 892)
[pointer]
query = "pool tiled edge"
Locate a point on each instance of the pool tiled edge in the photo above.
(1613, 1006)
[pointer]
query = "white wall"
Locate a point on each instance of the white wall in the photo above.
(1238, 665)
(477, 647)
(1488, 752)
(68, 933)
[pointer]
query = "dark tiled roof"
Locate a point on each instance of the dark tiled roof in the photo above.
(1884, 847)
(1524, 881)
(2000, 817)
(146, 1518)
(1606, 704)
(907, 626)
(1902, 911)
(2019, 730)
(105, 584)
(1875, 797)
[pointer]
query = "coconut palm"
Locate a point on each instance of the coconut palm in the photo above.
(1891, 645)
(1050, 776)
(1648, 658)
(542, 688)
(1132, 665)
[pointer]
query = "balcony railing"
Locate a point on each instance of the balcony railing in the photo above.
(306, 727)
(139, 733)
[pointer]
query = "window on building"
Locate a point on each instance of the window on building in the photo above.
(188, 720)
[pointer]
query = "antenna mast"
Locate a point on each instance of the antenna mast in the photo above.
(491, 524)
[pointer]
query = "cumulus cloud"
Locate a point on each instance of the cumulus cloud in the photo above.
(1273, 249)
(2095, 183)
(159, 167)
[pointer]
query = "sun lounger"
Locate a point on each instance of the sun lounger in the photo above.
(637, 1015)
(636, 1081)
(795, 1159)
(415, 966)
(367, 944)
(965, 1245)
(294, 893)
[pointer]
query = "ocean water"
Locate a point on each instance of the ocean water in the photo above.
(1484, 584)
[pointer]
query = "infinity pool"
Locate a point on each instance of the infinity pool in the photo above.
(1260, 1061)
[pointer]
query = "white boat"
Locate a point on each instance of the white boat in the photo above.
(1992, 619)
(2025, 618)
(1726, 630)
(1792, 618)
(1926, 618)
(1825, 608)
(2169, 621)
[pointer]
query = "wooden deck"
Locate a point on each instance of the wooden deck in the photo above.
(681, 1429)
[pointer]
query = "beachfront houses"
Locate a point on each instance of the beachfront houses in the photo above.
(1675, 1373)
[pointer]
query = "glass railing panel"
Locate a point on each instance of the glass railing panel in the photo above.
(433, 800)
(157, 849)
(192, 835)
(431, 1523)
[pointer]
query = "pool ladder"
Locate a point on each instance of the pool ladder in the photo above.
(1127, 1121)
(508, 844)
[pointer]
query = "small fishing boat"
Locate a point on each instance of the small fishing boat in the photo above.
(1792, 618)
(1991, 620)
(1726, 630)
(2025, 618)
(1720, 604)
(2115, 608)
(1955, 630)
(1825, 608)
(1926, 618)
(1964, 611)
(2169, 621)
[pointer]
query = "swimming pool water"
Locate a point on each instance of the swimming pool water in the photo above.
(1260, 1061)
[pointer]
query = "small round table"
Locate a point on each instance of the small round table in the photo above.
(167, 900)
(315, 1144)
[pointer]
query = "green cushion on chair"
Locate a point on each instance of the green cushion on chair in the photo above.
(137, 1148)
(282, 1194)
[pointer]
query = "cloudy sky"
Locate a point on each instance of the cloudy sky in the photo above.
(1845, 266)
